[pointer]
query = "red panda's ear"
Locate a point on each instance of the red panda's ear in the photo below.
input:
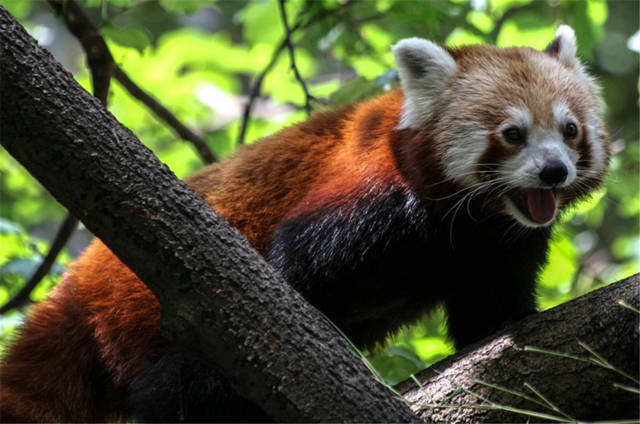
(424, 69)
(563, 45)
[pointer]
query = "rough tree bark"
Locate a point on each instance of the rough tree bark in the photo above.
(583, 390)
(219, 298)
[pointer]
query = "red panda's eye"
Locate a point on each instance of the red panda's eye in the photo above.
(514, 135)
(570, 131)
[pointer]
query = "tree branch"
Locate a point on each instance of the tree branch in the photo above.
(62, 237)
(255, 92)
(100, 66)
(292, 56)
(98, 52)
(552, 353)
(257, 85)
(207, 278)
(508, 14)
(98, 55)
(164, 114)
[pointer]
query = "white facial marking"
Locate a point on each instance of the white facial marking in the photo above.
(543, 145)
(520, 117)
(562, 114)
(424, 68)
(463, 152)
(462, 155)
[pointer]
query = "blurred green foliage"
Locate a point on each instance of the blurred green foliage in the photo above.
(199, 58)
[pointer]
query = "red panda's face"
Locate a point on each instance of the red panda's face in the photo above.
(520, 127)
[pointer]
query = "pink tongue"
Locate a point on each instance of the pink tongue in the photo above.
(541, 204)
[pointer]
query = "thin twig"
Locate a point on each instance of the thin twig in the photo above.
(495, 406)
(491, 405)
(548, 402)
(100, 65)
(255, 92)
(629, 307)
(292, 56)
(630, 389)
(99, 57)
(513, 409)
(86, 32)
(164, 114)
(600, 360)
(597, 359)
(511, 392)
(23, 296)
(508, 14)
(257, 85)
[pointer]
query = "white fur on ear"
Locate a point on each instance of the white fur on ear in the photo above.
(564, 48)
(424, 68)
(564, 45)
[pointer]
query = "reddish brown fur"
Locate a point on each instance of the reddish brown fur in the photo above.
(497, 152)
(524, 78)
(102, 317)
(55, 372)
(90, 339)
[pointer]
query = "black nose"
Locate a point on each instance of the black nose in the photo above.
(554, 172)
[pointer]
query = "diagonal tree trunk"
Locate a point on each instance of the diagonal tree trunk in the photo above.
(219, 298)
(222, 301)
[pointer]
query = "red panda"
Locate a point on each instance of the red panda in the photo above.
(442, 191)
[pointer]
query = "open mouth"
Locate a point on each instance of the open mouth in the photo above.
(538, 205)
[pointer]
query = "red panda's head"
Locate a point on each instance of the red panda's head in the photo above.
(521, 126)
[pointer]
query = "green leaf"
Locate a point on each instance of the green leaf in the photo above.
(626, 246)
(431, 349)
(396, 364)
(136, 37)
(356, 89)
(597, 11)
(92, 3)
(462, 37)
(498, 7)
(527, 29)
(221, 143)
(480, 20)
(368, 67)
(378, 38)
(261, 22)
(20, 9)
(13, 245)
(558, 275)
(120, 3)
(184, 6)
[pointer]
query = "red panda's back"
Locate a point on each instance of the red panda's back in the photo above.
(259, 184)
(82, 348)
